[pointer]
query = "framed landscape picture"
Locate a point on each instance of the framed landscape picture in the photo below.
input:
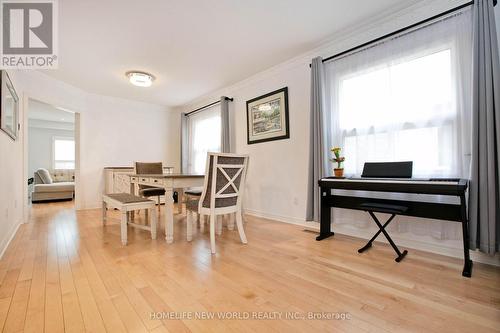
(9, 104)
(267, 117)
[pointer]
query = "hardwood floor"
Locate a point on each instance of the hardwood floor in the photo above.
(64, 271)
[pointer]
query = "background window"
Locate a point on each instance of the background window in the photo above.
(204, 135)
(64, 153)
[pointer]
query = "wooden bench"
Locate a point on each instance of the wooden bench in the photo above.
(126, 203)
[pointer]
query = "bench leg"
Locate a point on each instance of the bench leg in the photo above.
(104, 208)
(154, 222)
(382, 230)
(123, 227)
(369, 244)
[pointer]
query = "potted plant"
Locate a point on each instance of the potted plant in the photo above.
(339, 170)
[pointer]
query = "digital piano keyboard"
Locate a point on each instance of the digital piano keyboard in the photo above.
(433, 210)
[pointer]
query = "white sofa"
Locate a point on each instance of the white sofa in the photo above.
(53, 185)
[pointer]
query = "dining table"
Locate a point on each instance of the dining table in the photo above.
(169, 182)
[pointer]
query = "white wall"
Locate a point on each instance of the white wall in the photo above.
(113, 132)
(277, 177)
(40, 144)
(11, 182)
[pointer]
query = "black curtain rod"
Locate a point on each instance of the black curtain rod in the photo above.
(401, 30)
(207, 106)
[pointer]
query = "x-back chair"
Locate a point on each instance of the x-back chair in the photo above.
(222, 193)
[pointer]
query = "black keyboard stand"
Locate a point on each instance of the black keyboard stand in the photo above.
(456, 212)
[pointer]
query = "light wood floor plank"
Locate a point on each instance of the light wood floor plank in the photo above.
(35, 316)
(54, 318)
(4, 310)
(18, 305)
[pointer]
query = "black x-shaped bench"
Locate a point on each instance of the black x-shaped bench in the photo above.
(372, 208)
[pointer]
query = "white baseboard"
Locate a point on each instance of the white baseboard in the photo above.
(10, 236)
(427, 246)
(279, 218)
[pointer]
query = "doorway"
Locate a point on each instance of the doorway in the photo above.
(51, 155)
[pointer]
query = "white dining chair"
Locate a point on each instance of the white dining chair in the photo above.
(222, 194)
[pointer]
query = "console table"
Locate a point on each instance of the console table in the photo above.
(117, 180)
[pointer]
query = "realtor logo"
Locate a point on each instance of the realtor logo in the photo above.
(28, 34)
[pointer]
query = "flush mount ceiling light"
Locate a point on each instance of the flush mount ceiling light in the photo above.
(140, 79)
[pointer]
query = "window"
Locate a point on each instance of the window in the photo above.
(405, 113)
(64, 153)
(204, 135)
(404, 100)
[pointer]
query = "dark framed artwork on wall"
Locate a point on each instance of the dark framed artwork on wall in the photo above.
(267, 117)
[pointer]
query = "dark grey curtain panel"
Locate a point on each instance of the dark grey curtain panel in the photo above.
(316, 139)
(225, 133)
(484, 197)
(184, 143)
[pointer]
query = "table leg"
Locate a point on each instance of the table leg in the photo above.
(132, 191)
(169, 215)
(154, 222)
(123, 227)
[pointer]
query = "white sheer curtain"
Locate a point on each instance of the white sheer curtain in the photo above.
(204, 135)
(407, 99)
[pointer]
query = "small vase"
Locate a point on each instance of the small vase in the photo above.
(339, 172)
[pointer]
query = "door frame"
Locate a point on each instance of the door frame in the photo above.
(25, 138)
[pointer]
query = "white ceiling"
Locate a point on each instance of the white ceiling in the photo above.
(193, 46)
(42, 111)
